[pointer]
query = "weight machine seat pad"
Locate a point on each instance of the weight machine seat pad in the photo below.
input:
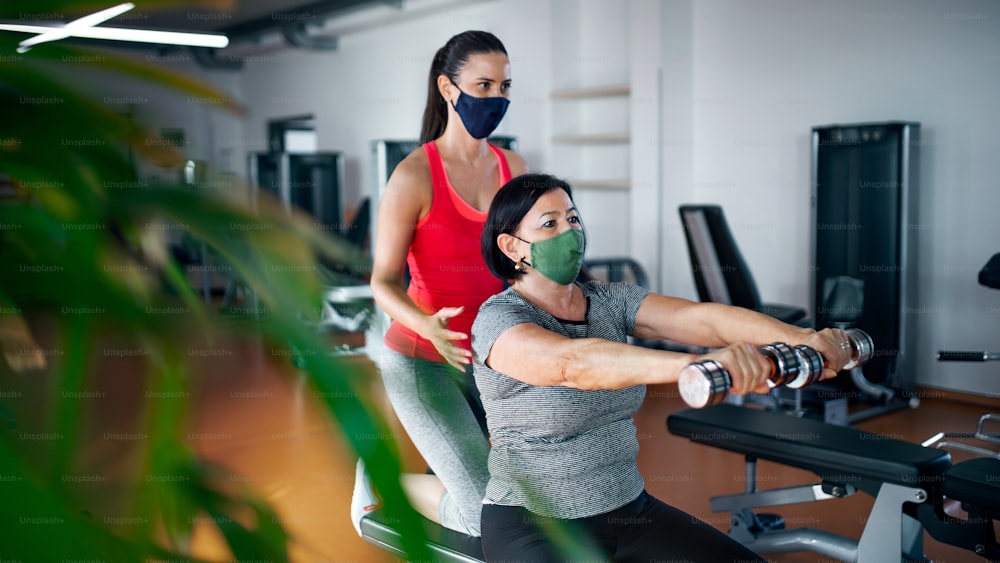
(837, 454)
(445, 545)
(975, 482)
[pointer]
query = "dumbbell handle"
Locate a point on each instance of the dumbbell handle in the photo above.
(707, 382)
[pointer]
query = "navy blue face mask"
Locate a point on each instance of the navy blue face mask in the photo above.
(480, 115)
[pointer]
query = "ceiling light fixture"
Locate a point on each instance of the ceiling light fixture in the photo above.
(87, 27)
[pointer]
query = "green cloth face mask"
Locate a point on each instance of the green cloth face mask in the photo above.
(560, 257)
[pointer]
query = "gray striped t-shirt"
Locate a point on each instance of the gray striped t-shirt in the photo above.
(556, 451)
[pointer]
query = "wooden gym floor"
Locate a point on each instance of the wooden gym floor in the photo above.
(257, 417)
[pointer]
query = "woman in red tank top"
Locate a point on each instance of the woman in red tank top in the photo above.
(430, 219)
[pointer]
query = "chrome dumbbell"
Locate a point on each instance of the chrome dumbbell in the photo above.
(861, 350)
(862, 347)
(707, 382)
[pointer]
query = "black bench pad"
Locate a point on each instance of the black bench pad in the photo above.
(836, 453)
(445, 545)
(975, 482)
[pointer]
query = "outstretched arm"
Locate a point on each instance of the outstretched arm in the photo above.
(537, 356)
(715, 325)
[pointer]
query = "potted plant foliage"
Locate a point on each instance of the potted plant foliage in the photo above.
(82, 262)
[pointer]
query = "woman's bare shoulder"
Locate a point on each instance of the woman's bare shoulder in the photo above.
(516, 162)
(412, 173)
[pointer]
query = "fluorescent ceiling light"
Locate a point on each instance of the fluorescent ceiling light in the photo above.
(86, 27)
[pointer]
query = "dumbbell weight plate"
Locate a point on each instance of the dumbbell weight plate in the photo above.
(862, 347)
(784, 363)
(703, 383)
(810, 367)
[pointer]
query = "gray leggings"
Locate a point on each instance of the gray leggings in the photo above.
(434, 402)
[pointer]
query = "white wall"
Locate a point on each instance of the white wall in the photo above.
(581, 62)
(764, 72)
(724, 94)
(374, 85)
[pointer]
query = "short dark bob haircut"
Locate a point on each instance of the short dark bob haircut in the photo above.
(510, 204)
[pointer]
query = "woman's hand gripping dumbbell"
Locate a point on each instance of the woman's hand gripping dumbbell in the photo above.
(707, 382)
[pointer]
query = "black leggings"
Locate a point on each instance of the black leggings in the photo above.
(643, 530)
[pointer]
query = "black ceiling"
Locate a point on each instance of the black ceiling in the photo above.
(241, 21)
(244, 18)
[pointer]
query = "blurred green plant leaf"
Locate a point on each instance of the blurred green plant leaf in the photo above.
(85, 220)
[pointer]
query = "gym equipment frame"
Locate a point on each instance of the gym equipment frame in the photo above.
(865, 182)
(910, 483)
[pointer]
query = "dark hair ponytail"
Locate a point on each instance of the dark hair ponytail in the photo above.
(449, 61)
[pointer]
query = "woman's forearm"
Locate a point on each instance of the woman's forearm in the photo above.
(729, 324)
(711, 325)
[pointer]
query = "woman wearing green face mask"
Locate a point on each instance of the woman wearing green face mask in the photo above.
(560, 384)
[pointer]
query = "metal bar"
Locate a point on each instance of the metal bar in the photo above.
(806, 539)
(772, 497)
(882, 538)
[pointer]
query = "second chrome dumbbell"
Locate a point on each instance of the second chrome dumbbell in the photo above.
(860, 349)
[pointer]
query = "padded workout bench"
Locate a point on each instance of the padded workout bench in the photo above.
(910, 484)
(445, 545)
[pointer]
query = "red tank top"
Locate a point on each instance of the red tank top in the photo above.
(446, 262)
